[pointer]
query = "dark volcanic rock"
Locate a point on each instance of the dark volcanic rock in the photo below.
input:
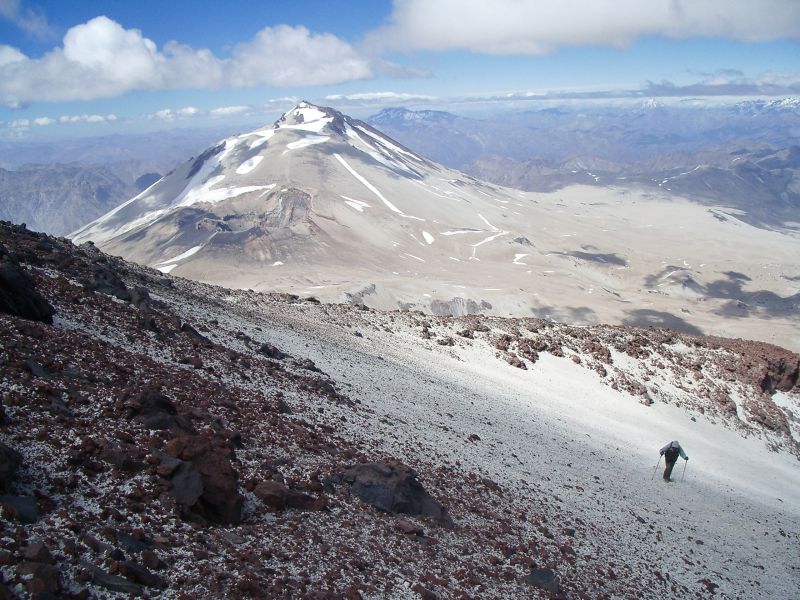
(140, 574)
(106, 281)
(205, 484)
(271, 351)
(393, 487)
(41, 578)
(781, 374)
(115, 583)
(278, 496)
(24, 509)
(544, 579)
(140, 297)
(155, 411)
(18, 294)
(10, 460)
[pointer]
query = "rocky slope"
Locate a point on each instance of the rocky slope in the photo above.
(167, 438)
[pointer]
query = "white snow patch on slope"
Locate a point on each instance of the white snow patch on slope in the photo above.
(314, 120)
(356, 204)
(371, 187)
(180, 257)
(248, 165)
(309, 140)
(166, 268)
(461, 231)
(264, 136)
(213, 196)
(428, 237)
(517, 258)
(378, 154)
(385, 142)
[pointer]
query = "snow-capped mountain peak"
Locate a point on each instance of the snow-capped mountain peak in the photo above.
(307, 117)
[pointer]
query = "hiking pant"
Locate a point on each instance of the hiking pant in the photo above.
(668, 470)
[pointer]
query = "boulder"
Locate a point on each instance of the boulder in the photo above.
(18, 294)
(107, 282)
(114, 583)
(139, 574)
(205, 484)
(38, 552)
(278, 496)
(10, 461)
(155, 411)
(394, 488)
(780, 374)
(544, 579)
(24, 509)
(40, 578)
(271, 351)
(140, 297)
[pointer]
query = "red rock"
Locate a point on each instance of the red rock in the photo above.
(38, 552)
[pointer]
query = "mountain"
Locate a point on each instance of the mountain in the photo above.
(162, 437)
(324, 204)
(760, 185)
(623, 134)
(60, 198)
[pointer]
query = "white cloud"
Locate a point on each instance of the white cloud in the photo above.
(86, 118)
(541, 26)
(101, 59)
(380, 97)
(30, 21)
(284, 100)
(230, 111)
(187, 111)
(169, 114)
(24, 124)
(9, 55)
(288, 56)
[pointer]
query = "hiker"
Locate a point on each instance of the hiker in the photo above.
(670, 452)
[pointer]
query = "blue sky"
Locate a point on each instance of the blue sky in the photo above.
(86, 67)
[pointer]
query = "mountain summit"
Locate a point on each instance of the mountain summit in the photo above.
(323, 204)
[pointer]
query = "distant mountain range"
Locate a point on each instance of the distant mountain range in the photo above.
(324, 204)
(59, 198)
(742, 156)
(59, 186)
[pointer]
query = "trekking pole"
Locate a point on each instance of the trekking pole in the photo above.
(656, 469)
(684, 469)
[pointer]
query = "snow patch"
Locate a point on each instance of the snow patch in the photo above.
(187, 254)
(428, 237)
(248, 165)
(371, 187)
(309, 140)
(263, 137)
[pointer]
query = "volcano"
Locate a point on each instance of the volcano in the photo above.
(323, 204)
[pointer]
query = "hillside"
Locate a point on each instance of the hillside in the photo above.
(171, 438)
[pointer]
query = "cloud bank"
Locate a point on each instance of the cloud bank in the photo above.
(101, 59)
(542, 26)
